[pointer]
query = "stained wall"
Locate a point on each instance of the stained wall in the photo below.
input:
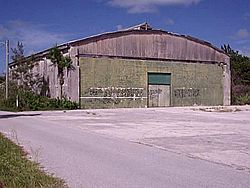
(112, 83)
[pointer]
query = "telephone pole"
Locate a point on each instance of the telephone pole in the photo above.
(7, 45)
(7, 54)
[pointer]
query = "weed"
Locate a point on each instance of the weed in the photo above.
(17, 171)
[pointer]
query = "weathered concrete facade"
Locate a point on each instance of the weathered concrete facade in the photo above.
(124, 83)
(141, 67)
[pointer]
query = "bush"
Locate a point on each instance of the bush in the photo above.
(242, 100)
(240, 94)
(28, 100)
(240, 72)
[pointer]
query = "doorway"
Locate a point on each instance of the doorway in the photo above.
(159, 89)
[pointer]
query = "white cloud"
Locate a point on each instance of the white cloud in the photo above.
(35, 37)
(246, 51)
(242, 40)
(119, 27)
(143, 6)
(242, 34)
(3, 31)
(169, 21)
(247, 16)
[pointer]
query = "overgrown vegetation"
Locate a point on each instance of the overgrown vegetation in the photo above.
(24, 74)
(62, 63)
(240, 72)
(17, 171)
(26, 78)
(29, 90)
(28, 100)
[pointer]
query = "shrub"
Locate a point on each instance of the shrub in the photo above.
(240, 94)
(28, 100)
(241, 100)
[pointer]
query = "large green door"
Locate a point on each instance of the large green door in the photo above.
(159, 89)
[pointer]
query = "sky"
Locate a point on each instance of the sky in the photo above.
(42, 24)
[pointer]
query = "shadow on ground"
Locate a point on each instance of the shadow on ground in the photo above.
(17, 115)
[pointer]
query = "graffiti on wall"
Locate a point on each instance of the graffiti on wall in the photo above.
(186, 92)
(154, 93)
(114, 94)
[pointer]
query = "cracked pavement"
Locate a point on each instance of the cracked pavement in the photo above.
(220, 137)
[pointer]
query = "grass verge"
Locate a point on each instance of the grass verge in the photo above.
(16, 171)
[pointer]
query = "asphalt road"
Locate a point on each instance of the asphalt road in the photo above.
(87, 159)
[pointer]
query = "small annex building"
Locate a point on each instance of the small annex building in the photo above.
(140, 67)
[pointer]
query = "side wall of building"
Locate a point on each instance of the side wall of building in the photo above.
(107, 83)
(45, 70)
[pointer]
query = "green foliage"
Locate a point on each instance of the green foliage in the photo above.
(17, 171)
(243, 99)
(240, 66)
(32, 90)
(24, 73)
(2, 79)
(240, 72)
(62, 63)
(228, 50)
(18, 52)
(28, 100)
(59, 60)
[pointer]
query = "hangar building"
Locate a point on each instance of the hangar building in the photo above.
(140, 67)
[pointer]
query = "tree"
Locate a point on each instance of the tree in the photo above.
(228, 50)
(240, 66)
(18, 52)
(240, 73)
(24, 73)
(62, 63)
(2, 79)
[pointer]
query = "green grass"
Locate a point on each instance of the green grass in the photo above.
(16, 171)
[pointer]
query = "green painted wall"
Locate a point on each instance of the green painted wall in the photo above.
(114, 83)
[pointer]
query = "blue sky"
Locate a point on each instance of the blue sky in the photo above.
(42, 24)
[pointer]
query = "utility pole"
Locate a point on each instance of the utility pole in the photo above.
(7, 68)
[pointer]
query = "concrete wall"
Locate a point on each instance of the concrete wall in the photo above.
(107, 83)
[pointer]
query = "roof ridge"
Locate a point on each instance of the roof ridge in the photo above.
(142, 26)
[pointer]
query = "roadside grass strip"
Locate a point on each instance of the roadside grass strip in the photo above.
(16, 171)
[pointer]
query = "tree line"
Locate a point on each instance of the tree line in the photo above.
(240, 76)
